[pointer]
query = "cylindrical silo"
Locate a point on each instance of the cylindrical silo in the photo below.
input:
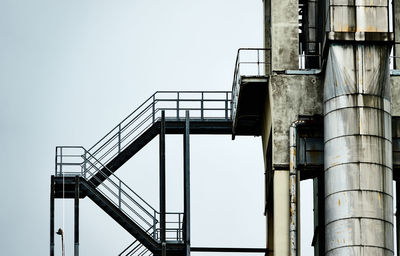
(358, 150)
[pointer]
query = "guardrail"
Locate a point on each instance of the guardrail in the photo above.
(76, 161)
(202, 105)
(250, 62)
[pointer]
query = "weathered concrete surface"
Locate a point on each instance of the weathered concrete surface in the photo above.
(285, 34)
(281, 216)
(292, 95)
(396, 29)
(395, 81)
(266, 127)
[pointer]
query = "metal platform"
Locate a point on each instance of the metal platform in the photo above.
(249, 90)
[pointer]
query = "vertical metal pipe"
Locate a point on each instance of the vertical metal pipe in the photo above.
(76, 217)
(358, 151)
(52, 215)
(186, 178)
(293, 191)
(162, 179)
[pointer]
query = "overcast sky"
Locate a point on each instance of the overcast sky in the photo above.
(71, 70)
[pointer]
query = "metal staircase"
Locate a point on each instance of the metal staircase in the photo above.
(210, 113)
(210, 110)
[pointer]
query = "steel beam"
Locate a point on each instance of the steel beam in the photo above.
(186, 182)
(76, 217)
(228, 249)
(52, 215)
(162, 179)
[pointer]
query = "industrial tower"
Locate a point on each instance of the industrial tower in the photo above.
(323, 96)
(331, 115)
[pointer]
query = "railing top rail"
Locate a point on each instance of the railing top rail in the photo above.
(119, 180)
(237, 62)
(105, 167)
(133, 112)
(151, 100)
(191, 92)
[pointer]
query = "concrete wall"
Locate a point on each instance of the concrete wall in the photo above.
(292, 95)
(284, 34)
(288, 97)
(396, 26)
(395, 81)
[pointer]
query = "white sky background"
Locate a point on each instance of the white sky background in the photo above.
(71, 70)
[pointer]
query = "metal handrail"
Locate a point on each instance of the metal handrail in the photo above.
(147, 113)
(92, 163)
(123, 202)
(262, 66)
(114, 189)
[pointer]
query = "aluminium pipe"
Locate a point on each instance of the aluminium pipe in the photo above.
(358, 151)
(293, 181)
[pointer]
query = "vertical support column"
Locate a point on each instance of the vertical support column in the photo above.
(162, 179)
(186, 178)
(52, 215)
(280, 215)
(396, 29)
(284, 34)
(267, 35)
(397, 216)
(76, 217)
(270, 231)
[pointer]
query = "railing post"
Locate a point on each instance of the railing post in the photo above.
(177, 106)
(55, 162)
(258, 62)
(179, 227)
(153, 108)
(154, 225)
(226, 106)
(119, 138)
(202, 105)
(61, 161)
(119, 195)
(84, 164)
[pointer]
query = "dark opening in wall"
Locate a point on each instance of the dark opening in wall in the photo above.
(309, 39)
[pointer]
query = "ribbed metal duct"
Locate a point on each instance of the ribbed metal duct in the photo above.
(358, 151)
